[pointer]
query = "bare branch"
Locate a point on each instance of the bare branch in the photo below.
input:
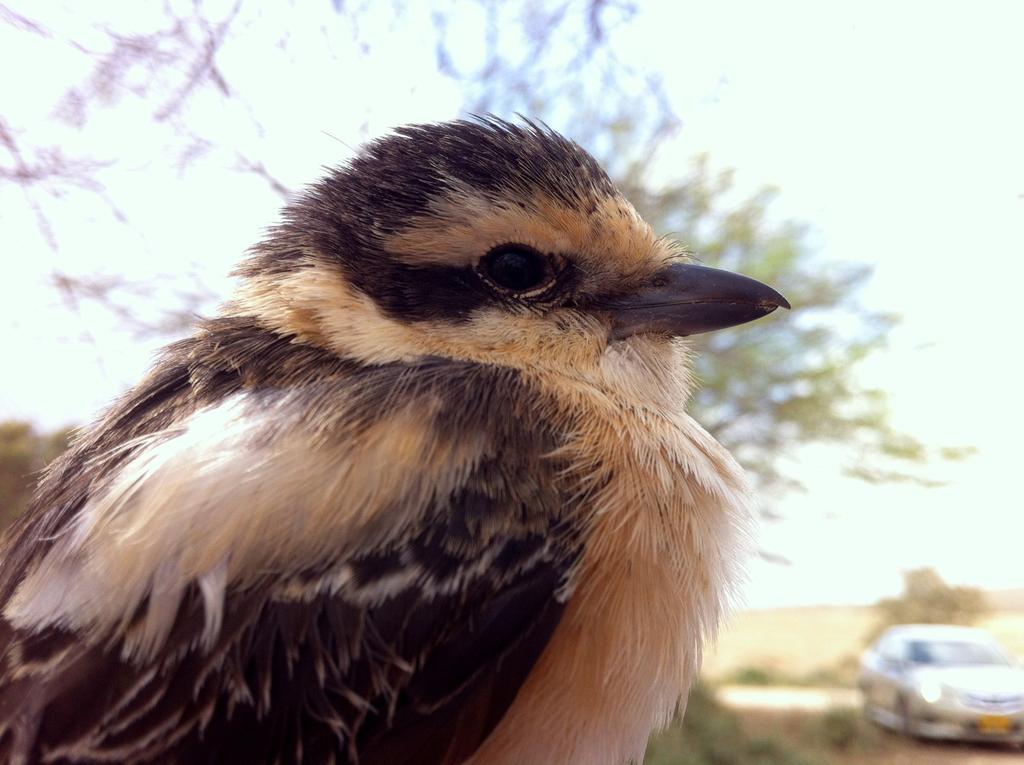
(121, 296)
(204, 67)
(260, 170)
(25, 24)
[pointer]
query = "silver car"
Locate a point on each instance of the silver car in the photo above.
(938, 681)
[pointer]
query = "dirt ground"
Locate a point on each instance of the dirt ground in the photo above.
(885, 748)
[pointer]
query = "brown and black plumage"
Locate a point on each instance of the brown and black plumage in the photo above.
(423, 492)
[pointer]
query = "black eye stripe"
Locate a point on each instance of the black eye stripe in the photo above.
(516, 267)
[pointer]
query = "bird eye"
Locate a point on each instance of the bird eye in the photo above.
(516, 267)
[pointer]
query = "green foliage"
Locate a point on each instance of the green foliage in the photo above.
(755, 676)
(711, 735)
(927, 599)
(23, 453)
(842, 730)
(843, 674)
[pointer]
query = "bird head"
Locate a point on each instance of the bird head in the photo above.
(485, 241)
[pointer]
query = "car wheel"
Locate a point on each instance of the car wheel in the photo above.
(906, 719)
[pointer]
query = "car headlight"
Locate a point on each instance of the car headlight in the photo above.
(930, 691)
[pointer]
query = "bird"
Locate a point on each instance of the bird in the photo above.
(422, 490)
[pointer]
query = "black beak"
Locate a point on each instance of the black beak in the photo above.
(684, 299)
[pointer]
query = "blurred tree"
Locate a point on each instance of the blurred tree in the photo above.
(23, 453)
(767, 388)
(779, 384)
(927, 599)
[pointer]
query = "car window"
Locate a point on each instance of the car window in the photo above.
(955, 653)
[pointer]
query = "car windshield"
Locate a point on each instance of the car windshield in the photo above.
(955, 653)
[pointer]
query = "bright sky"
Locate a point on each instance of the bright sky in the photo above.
(893, 129)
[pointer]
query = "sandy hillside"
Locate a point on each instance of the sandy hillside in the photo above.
(798, 642)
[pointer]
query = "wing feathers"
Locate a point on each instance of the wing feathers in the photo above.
(402, 635)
